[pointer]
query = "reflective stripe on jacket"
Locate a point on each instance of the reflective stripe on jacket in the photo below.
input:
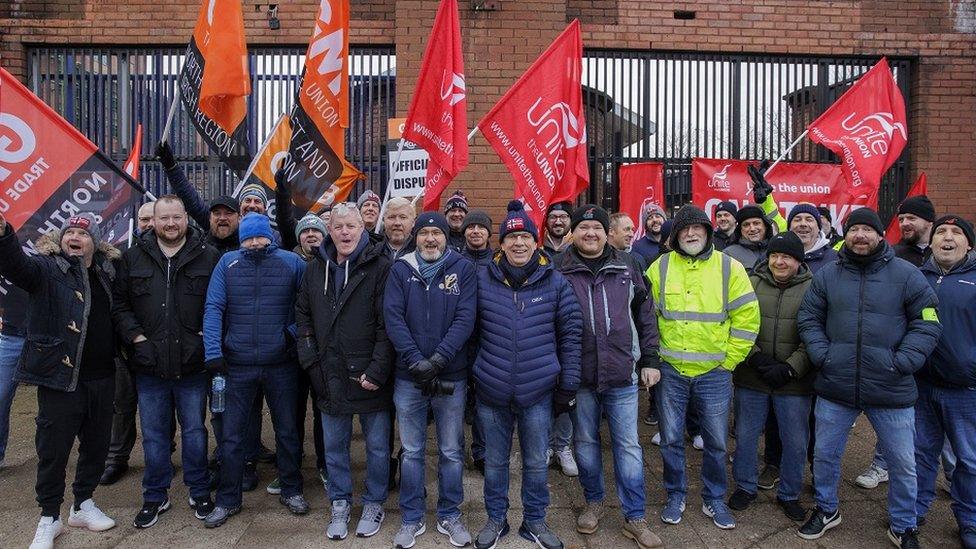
(703, 324)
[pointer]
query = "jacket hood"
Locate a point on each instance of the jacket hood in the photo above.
(365, 250)
(819, 248)
(761, 270)
(50, 244)
(968, 264)
(737, 237)
(571, 261)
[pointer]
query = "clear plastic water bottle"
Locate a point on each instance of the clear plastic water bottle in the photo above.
(217, 387)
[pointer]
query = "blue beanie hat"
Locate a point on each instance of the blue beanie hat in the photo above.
(255, 224)
(310, 221)
(517, 220)
(803, 208)
(431, 219)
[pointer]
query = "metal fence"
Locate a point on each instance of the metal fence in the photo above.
(105, 92)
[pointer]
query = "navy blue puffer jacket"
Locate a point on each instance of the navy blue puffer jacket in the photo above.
(953, 363)
(530, 338)
(868, 330)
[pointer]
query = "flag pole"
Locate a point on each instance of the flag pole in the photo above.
(787, 151)
(470, 137)
(169, 118)
(389, 185)
(254, 161)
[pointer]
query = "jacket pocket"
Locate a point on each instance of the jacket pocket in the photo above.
(42, 355)
(191, 350)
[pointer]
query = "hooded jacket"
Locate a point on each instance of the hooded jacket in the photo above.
(619, 327)
(423, 319)
(342, 335)
(162, 299)
(647, 249)
(820, 255)
(529, 338)
(953, 362)
(778, 336)
(59, 299)
(249, 314)
(480, 258)
(745, 251)
(868, 329)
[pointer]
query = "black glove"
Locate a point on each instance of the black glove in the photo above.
(563, 401)
(650, 360)
(165, 155)
(216, 366)
(423, 371)
(143, 357)
(760, 360)
(308, 353)
(760, 187)
(281, 179)
(777, 374)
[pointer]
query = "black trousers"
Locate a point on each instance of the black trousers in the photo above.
(85, 414)
(124, 418)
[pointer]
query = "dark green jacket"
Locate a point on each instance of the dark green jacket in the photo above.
(778, 335)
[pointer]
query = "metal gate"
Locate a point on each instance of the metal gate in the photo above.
(105, 92)
(671, 107)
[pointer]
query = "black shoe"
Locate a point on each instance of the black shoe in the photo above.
(113, 473)
(250, 479)
(741, 499)
(394, 467)
(651, 417)
(792, 509)
(479, 465)
(920, 521)
(818, 524)
(906, 540)
(266, 455)
(150, 513)
(202, 507)
(213, 477)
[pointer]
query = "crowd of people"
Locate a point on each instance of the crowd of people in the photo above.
(751, 324)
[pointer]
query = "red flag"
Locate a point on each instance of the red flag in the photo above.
(437, 120)
(539, 129)
(132, 163)
(866, 127)
(919, 188)
(640, 186)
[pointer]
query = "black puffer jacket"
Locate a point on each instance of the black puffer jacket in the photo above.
(341, 338)
(868, 329)
(59, 291)
(162, 299)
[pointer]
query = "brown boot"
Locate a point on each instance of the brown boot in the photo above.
(637, 530)
(589, 519)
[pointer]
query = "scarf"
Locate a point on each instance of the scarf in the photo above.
(428, 270)
(517, 276)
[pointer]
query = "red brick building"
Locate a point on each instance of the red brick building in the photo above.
(938, 37)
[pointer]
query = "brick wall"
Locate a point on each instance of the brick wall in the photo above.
(499, 45)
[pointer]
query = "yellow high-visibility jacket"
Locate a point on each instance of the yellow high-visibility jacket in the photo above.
(707, 311)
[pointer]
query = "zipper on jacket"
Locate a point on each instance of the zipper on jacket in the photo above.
(779, 303)
(857, 367)
(84, 324)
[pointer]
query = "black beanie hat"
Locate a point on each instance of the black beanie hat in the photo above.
(952, 219)
(920, 206)
(864, 216)
(786, 243)
(727, 206)
(590, 212)
(560, 206)
(749, 212)
(476, 217)
(689, 214)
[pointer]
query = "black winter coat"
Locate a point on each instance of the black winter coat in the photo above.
(162, 299)
(341, 339)
(59, 299)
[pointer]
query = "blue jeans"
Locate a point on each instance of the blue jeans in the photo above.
(157, 400)
(619, 405)
(561, 435)
(411, 409)
(280, 384)
(710, 394)
(939, 413)
(533, 430)
(252, 440)
(948, 457)
(896, 432)
(337, 430)
(10, 347)
(792, 417)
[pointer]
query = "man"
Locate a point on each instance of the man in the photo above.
(309, 232)
(867, 341)
(947, 383)
(827, 226)
(144, 217)
(708, 318)
(776, 377)
(398, 220)
(750, 237)
(527, 370)
(342, 344)
(223, 222)
(69, 354)
(158, 305)
(648, 247)
(557, 229)
(455, 210)
(804, 221)
(369, 207)
(725, 224)
(477, 234)
(429, 308)
(915, 217)
(621, 235)
(614, 296)
(248, 338)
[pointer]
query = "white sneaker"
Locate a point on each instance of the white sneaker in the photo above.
(656, 439)
(47, 530)
(566, 462)
(90, 517)
(871, 478)
(698, 442)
